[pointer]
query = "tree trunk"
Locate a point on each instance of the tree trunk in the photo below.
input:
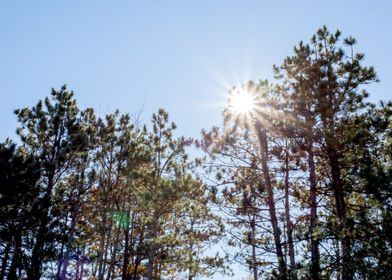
(34, 271)
(65, 259)
(126, 255)
(254, 258)
(151, 255)
(16, 258)
(81, 267)
(338, 274)
(340, 207)
(106, 250)
(289, 224)
(102, 247)
(61, 259)
(150, 264)
(4, 261)
(190, 275)
(263, 145)
(114, 254)
(75, 214)
(314, 241)
(137, 259)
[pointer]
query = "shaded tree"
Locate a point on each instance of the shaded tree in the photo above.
(19, 196)
(49, 131)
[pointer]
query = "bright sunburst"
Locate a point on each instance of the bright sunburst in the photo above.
(242, 102)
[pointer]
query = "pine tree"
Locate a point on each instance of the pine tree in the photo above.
(327, 81)
(367, 170)
(19, 195)
(50, 131)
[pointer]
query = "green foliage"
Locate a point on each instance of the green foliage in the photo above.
(298, 188)
(19, 215)
(333, 148)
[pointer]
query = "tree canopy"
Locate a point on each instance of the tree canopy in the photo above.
(296, 184)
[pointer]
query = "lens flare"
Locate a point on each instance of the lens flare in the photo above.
(121, 219)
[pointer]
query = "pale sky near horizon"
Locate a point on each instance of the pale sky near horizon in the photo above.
(179, 55)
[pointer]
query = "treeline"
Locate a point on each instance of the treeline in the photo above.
(90, 198)
(298, 187)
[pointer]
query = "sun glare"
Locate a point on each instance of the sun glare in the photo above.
(242, 102)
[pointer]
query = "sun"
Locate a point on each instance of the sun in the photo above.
(242, 102)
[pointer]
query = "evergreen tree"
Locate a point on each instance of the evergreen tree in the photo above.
(299, 183)
(19, 196)
(51, 132)
(325, 81)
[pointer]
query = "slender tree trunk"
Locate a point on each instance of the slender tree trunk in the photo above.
(151, 255)
(263, 145)
(190, 276)
(75, 214)
(16, 258)
(289, 224)
(340, 208)
(61, 260)
(314, 240)
(77, 269)
(102, 247)
(34, 271)
(82, 262)
(254, 258)
(4, 261)
(126, 255)
(150, 264)
(81, 270)
(106, 250)
(190, 255)
(338, 274)
(136, 267)
(137, 259)
(114, 254)
(65, 260)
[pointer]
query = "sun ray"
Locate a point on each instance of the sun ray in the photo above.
(242, 102)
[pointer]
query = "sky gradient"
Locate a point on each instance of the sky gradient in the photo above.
(178, 55)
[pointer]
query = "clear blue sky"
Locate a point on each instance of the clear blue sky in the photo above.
(172, 54)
